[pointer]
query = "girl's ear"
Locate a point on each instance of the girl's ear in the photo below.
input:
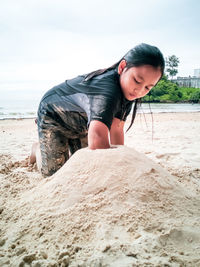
(121, 66)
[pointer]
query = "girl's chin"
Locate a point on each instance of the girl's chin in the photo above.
(131, 97)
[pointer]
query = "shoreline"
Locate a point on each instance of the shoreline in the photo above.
(161, 112)
(145, 108)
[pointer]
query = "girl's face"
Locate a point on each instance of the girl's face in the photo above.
(136, 82)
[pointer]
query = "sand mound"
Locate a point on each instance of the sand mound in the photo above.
(112, 207)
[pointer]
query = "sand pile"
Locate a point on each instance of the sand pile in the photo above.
(112, 207)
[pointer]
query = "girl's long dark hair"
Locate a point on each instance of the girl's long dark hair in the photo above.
(142, 54)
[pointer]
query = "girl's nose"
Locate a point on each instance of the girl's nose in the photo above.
(138, 90)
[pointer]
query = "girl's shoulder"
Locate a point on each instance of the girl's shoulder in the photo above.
(109, 74)
(108, 80)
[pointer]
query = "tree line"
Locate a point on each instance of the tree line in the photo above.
(167, 91)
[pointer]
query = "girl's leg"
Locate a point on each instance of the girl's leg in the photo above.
(36, 156)
(32, 159)
(84, 141)
(57, 130)
(76, 144)
(54, 150)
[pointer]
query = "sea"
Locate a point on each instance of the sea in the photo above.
(24, 104)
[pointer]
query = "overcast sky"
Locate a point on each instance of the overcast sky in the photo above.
(44, 42)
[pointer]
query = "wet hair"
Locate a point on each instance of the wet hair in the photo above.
(142, 54)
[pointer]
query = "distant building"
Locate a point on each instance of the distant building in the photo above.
(189, 81)
(197, 73)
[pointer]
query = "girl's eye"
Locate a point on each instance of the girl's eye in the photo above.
(136, 81)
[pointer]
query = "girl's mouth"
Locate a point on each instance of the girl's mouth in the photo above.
(132, 95)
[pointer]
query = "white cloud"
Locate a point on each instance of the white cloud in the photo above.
(49, 41)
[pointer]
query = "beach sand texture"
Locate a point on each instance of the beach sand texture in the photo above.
(133, 205)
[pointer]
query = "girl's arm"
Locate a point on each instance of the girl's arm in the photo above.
(117, 132)
(98, 135)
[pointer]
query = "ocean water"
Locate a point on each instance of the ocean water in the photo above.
(19, 103)
(169, 107)
(24, 104)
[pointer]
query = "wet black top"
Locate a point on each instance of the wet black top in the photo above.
(101, 97)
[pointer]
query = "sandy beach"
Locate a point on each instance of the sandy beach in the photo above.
(133, 205)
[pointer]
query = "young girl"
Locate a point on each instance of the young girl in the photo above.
(90, 110)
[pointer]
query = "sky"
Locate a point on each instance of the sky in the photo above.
(45, 42)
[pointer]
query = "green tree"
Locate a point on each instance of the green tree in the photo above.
(174, 94)
(195, 97)
(172, 65)
(168, 92)
(164, 91)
